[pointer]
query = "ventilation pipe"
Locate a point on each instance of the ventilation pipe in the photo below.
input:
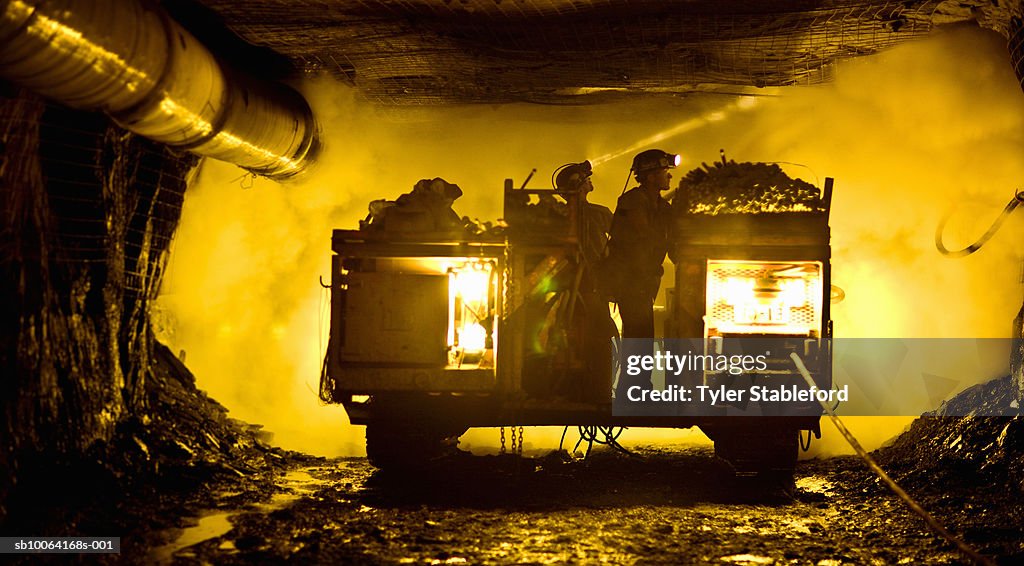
(129, 59)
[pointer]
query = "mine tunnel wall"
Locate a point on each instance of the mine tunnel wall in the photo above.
(1016, 46)
(89, 211)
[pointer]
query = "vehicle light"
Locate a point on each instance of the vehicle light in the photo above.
(767, 289)
(471, 299)
(763, 297)
(473, 338)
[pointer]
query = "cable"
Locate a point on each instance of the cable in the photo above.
(974, 555)
(835, 387)
(1018, 198)
(817, 181)
(626, 184)
(555, 173)
(590, 435)
(807, 446)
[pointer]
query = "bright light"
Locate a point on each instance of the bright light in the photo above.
(471, 299)
(770, 297)
(737, 291)
(473, 338)
(471, 286)
(794, 291)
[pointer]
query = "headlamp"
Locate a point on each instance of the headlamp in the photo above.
(569, 176)
(655, 159)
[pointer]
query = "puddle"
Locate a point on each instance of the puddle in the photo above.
(294, 485)
(748, 559)
(815, 484)
(299, 480)
(209, 526)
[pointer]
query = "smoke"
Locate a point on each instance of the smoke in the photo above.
(906, 134)
(242, 296)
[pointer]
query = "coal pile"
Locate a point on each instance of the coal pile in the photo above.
(189, 435)
(156, 469)
(940, 451)
(967, 471)
(744, 188)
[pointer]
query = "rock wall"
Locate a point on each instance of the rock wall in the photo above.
(88, 213)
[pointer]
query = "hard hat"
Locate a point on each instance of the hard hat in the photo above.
(570, 176)
(654, 159)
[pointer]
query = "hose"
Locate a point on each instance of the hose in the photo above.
(1017, 199)
(974, 555)
(805, 446)
(590, 435)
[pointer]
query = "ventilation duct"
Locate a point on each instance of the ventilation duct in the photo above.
(131, 60)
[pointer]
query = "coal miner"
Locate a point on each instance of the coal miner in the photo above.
(637, 249)
(595, 223)
(596, 219)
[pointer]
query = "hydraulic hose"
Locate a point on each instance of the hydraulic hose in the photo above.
(1017, 200)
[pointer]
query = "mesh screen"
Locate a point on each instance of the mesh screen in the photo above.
(561, 52)
(720, 314)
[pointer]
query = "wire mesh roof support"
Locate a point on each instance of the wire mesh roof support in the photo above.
(431, 52)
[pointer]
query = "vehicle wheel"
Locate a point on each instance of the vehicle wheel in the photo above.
(770, 455)
(763, 463)
(409, 446)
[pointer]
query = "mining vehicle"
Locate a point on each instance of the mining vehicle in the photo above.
(432, 333)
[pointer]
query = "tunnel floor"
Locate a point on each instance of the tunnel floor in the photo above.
(664, 505)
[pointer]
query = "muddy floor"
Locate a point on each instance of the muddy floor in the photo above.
(665, 505)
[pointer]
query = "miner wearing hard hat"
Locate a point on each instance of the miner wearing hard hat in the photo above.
(637, 249)
(595, 222)
(596, 218)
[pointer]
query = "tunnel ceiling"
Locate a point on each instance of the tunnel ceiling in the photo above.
(429, 52)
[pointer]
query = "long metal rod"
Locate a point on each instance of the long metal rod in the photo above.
(932, 522)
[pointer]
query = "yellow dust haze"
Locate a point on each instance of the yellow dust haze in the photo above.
(906, 134)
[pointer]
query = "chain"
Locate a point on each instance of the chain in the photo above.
(517, 442)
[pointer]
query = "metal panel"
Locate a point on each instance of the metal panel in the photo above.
(377, 379)
(396, 318)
